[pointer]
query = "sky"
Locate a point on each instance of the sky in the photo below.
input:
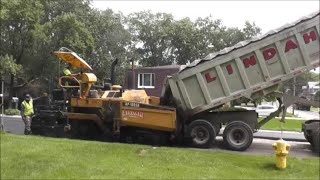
(267, 15)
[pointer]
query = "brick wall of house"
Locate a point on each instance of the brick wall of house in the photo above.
(160, 72)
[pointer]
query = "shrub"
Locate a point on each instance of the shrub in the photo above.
(11, 112)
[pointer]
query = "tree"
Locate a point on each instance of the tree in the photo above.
(30, 31)
(112, 41)
(8, 66)
(184, 41)
(160, 40)
(63, 25)
(18, 20)
(209, 36)
(250, 30)
(150, 37)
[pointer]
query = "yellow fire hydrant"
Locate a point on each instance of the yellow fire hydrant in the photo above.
(281, 149)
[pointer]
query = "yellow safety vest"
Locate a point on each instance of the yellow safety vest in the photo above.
(66, 72)
(28, 107)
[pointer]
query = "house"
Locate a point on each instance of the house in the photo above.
(150, 79)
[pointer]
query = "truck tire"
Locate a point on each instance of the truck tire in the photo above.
(202, 133)
(308, 138)
(237, 136)
(316, 142)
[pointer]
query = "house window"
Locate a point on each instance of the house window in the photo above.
(146, 80)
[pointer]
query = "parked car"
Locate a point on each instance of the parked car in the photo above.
(265, 109)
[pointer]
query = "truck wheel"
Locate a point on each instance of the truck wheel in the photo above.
(237, 136)
(316, 141)
(308, 138)
(202, 133)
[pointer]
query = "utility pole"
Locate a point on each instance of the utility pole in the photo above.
(294, 86)
(294, 92)
(2, 105)
(133, 75)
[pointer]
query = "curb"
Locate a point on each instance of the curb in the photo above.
(286, 139)
(14, 116)
(288, 132)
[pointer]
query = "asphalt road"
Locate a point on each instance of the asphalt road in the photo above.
(13, 124)
(262, 143)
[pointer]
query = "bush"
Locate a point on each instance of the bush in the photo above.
(11, 112)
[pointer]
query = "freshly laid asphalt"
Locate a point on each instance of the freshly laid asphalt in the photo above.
(14, 125)
(262, 142)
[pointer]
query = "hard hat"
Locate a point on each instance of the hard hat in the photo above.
(27, 97)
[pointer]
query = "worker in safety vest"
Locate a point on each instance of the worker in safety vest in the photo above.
(67, 72)
(27, 113)
(72, 81)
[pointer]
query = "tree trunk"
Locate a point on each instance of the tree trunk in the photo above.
(11, 91)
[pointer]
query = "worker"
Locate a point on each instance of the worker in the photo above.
(71, 81)
(67, 69)
(67, 72)
(27, 113)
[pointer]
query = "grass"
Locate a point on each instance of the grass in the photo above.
(32, 157)
(289, 125)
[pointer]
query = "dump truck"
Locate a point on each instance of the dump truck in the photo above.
(249, 69)
(188, 109)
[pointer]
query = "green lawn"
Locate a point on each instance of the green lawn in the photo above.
(289, 125)
(31, 157)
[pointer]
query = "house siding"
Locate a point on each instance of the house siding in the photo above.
(160, 74)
